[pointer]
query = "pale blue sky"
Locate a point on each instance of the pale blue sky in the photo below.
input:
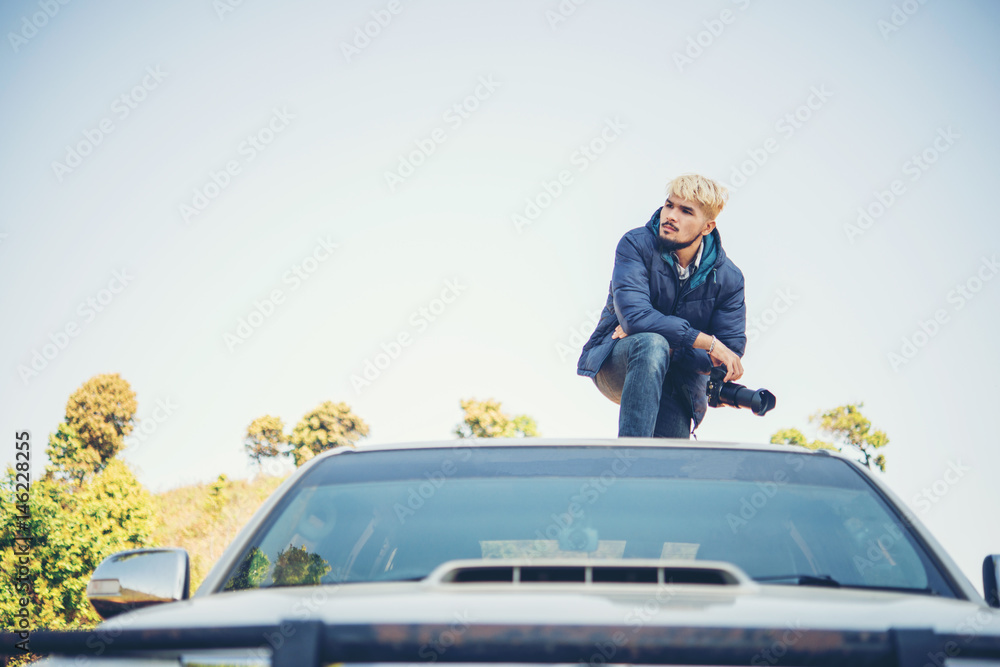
(335, 124)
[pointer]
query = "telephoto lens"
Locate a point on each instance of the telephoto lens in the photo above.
(759, 401)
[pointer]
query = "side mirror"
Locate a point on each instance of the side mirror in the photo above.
(991, 575)
(138, 578)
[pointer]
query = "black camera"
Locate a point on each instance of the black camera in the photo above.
(736, 395)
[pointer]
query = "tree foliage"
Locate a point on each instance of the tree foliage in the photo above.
(251, 572)
(102, 413)
(265, 439)
(70, 456)
(847, 427)
(98, 417)
(295, 566)
(329, 425)
(217, 498)
(485, 419)
(793, 436)
(87, 506)
(73, 528)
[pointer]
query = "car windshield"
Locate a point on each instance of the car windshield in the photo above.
(396, 515)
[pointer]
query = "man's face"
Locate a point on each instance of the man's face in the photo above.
(682, 223)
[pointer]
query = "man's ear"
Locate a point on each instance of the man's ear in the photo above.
(709, 226)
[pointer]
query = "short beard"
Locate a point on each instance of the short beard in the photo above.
(673, 246)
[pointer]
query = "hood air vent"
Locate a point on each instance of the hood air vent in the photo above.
(630, 571)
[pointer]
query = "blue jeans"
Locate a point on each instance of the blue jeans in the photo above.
(636, 376)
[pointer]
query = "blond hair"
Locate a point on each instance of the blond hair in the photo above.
(710, 195)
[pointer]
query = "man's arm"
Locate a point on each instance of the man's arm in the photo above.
(630, 288)
(728, 323)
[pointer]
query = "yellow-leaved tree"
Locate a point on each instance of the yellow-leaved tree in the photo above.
(485, 419)
(329, 425)
(847, 427)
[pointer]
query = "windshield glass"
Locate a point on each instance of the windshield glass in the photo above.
(396, 515)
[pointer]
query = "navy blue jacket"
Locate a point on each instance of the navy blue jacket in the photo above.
(646, 295)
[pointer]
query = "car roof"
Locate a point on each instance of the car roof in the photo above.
(672, 443)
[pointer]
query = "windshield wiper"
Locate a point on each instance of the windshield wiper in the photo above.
(827, 580)
(804, 579)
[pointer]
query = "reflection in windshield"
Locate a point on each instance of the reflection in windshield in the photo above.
(298, 567)
(251, 571)
(395, 516)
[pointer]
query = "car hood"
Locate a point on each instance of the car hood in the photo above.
(771, 606)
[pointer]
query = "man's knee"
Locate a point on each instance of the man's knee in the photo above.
(649, 349)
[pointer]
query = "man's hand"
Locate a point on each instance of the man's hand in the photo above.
(721, 354)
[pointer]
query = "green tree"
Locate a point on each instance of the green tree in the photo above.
(98, 417)
(71, 529)
(485, 419)
(251, 572)
(218, 497)
(295, 566)
(265, 439)
(70, 456)
(87, 506)
(847, 427)
(329, 425)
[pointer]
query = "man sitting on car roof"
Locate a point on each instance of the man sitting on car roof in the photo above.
(675, 310)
